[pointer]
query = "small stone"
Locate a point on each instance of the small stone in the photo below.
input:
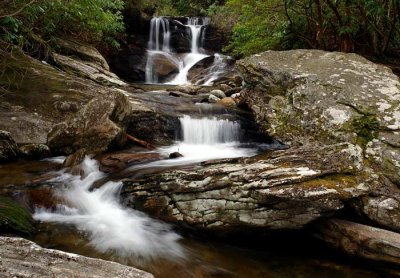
(225, 87)
(175, 155)
(227, 101)
(213, 99)
(218, 93)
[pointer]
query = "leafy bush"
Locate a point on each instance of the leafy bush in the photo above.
(90, 20)
(370, 27)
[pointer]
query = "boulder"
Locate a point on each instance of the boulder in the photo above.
(130, 62)
(45, 96)
(180, 41)
(23, 258)
(233, 91)
(312, 97)
(225, 88)
(213, 99)
(284, 189)
(187, 89)
(30, 107)
(221, 71)
(14, 218)
(98, 125)
(88, 70)
(8, 147)
(360, 240)
(164, 65)
(34, 151)
(217, 93)
(84, 52)
(227, 101)
(75, 159)
(383, 209)
(200, 68)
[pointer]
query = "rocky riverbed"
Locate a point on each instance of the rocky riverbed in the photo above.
(335, 115)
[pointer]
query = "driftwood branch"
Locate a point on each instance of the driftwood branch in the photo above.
(140, 142)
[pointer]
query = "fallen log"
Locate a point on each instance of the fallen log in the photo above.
(140, 142)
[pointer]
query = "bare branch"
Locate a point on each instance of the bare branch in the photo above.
(20, 10)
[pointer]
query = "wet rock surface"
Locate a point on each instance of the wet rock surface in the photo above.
(34, 151)
(279, 190)
(45, 99)
(361, 240)
(8, 147)
(82, 51)
(165, 66)
(95, 127)
(88, 70)
(312, 97)
(23, 258)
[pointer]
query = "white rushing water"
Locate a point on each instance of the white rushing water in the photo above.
(216, 70)
(109, 226)
(159, 44)
(209, 131)
(203, 139)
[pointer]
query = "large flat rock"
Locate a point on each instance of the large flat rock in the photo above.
(284, 189)
(313, 97)
(22, 258)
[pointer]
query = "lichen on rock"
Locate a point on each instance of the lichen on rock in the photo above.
(312, 97)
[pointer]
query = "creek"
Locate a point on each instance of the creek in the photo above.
(80, 210)
(74, 217)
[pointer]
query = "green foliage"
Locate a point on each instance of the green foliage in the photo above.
(90, 20)
(258, 27)
(364, 26)
(178, 7)
(13, 217)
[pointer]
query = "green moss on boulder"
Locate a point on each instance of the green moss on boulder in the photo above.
(13, 217)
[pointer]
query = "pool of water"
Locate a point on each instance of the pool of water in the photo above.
(283, 254)
(289, 255)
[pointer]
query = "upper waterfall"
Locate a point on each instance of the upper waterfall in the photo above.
(161, 56)
(159, 38)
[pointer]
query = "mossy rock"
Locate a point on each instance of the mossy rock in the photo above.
(13, 217)
(366, 128)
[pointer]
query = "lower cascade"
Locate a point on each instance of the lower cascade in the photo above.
(109, 226)
(209, 131)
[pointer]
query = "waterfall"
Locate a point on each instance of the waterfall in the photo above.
(109, 225)
(209, 131)
(159, 44)
(217, 69)
(202, 139)
(159, 30)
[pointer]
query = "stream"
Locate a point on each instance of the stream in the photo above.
(73, 217)
(80, 210)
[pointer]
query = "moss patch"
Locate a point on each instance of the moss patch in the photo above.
(13, 217)
(366, 128)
